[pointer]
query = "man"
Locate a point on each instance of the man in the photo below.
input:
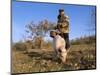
(63, 27)
(59, 46)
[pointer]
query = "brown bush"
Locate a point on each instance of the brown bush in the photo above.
(19, 46)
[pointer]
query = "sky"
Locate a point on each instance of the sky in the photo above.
(25, 12)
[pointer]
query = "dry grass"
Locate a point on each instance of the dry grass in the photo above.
(79, 57)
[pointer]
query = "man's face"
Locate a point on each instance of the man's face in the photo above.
(62, 13)
(52, 34)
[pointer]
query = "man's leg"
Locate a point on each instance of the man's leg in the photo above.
(66, 37)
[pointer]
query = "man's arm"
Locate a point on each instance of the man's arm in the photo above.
(67, 18)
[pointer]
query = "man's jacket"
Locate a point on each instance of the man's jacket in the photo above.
(63, 24)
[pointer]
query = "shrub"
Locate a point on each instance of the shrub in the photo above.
(20, 46)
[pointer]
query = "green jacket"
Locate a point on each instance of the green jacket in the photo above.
(63, 24)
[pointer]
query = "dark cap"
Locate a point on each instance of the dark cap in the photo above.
(61, 10)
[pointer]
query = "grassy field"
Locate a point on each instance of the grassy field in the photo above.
(80, 57)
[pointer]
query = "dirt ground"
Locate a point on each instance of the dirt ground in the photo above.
(80, 57)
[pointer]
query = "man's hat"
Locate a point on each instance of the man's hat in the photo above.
(61, 10)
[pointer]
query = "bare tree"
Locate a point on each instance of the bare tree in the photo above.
(92, 22)
(37, 32)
